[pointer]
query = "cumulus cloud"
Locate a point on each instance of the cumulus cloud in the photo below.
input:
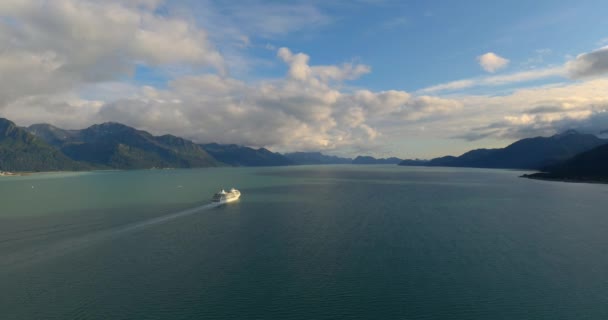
(305, 110)
(590, 64)
(302, 111)
(299, 68)
(47, 47)
(491, 62)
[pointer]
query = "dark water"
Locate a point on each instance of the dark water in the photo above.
(327, 242)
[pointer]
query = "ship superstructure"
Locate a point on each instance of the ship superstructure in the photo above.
(224, 197)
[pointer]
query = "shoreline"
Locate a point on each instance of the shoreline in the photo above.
(549, 177)
(32, 173)
(10, 174)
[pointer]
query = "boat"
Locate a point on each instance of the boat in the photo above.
(224, 197)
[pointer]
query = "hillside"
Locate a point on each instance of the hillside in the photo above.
(114, 145)
(22, 151)
(236, 155)
(591, 165)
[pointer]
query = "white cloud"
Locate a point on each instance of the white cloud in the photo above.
(306, 110)
(517, 77)
(299, 68)
(535, 111)
(492, 62)
(48, 47)
(586, 65)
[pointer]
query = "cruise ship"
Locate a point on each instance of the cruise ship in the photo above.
(225, 197)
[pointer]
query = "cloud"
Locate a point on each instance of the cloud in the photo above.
(590, 64)
(536, 111)
(586, 65)
(305, 110)
(492, 62)
(48, 47)
(506, 79)
(69, 63)
(299, 68)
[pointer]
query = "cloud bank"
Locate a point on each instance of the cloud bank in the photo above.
(70, 64)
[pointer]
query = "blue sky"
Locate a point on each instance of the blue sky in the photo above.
(419, 44)
(410, 79)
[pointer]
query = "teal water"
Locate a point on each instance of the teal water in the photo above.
(312, 242)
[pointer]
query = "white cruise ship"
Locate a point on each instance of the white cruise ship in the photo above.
(225, 197)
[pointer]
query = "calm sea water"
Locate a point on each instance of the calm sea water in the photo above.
(318, 242)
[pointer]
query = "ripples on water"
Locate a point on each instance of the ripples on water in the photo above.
(21, 259)
(327, 242)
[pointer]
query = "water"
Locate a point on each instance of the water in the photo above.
(313, 242)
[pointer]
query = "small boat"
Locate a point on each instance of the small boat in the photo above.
(224, 197)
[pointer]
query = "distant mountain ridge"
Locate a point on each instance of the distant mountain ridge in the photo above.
(236, 155)
(315, 158)
(530, 153)
(111, 145)
(372, 160)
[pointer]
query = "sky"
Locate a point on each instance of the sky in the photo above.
(412, 79)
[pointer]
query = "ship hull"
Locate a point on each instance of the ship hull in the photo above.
(228, 200)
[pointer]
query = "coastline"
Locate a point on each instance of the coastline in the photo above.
(554, 178)
(32, 173)
(12, 174)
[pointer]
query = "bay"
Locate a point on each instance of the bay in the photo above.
(306, 242)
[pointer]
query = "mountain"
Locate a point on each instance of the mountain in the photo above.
(310, 158)
(590, 165)
(53, 135)
(22, 151)
(372, 160)
(530, 153)
(413, 162)
(114, 145)
(236, 155)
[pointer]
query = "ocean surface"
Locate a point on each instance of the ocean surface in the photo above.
(310, 242)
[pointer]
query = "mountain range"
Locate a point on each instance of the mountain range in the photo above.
(114, 145)
(42, 147)
(110, 145)
(531, 153)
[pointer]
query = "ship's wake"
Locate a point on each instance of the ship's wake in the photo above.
(60, 248)
(161, 219)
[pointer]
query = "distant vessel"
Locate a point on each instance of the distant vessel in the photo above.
(225, 197)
